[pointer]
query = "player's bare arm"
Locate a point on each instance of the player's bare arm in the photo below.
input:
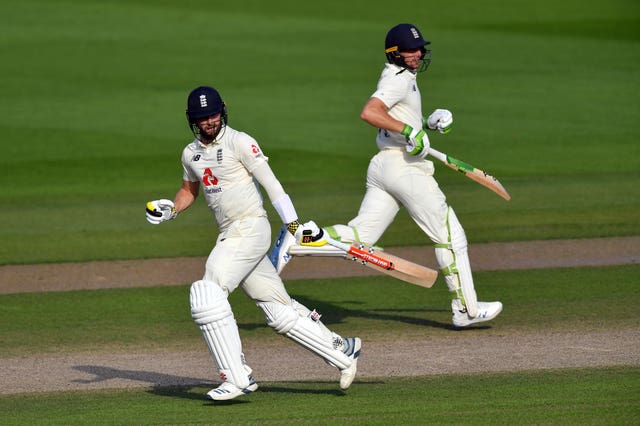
(186, 195)
(375, 112)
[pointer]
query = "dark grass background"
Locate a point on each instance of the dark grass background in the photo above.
(544, 96)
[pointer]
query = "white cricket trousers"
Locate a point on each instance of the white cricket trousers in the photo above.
(396, 178)
(239, 258)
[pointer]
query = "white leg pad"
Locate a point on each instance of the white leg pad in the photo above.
(303, 311)
(307, 331)
(455, 261)
(212, 313)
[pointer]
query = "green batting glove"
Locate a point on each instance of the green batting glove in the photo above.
(416, 141)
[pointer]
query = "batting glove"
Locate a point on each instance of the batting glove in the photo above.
(416, 141)
(440, 120)
(160, 211)
(309, 234)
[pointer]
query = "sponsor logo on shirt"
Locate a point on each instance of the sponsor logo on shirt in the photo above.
(210, 181)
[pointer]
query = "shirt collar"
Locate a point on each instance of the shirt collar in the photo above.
(397, 69)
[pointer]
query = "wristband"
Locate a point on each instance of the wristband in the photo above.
(292, 227)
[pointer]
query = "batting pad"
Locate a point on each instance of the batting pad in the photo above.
(303, 311)
(459, 246)
(305, 331)
(454, 262)
(212, 313)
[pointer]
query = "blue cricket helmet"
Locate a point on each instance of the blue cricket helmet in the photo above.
(406, 37)
(204, 101)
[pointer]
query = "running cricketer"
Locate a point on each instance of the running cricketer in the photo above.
(228, 165)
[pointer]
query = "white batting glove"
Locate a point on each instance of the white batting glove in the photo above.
(417, 141)
(160, 210)
(309, 234)
(440, 120)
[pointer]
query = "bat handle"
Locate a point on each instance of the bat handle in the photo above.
(437, 154)
(337, 244)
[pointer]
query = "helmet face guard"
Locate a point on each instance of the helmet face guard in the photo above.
(405, 37)
(394, 57)
(205, 101)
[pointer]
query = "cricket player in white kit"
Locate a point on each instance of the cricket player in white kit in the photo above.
(229, 165)
(400, 175)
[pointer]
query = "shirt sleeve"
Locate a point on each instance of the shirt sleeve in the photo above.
(187, 172)
(280, 200)
(391, 89)
(249, 152)
(265, 177)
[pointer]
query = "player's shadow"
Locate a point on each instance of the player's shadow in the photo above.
(334, 314)
(173, 386)
(160, 382)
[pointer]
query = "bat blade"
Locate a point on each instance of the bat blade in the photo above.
(389, 264)
(483, 178)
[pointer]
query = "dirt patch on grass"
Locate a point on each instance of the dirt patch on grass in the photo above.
(461, 353)
(157, 272)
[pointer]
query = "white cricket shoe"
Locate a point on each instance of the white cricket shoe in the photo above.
(279, 253)
(486, 312)
(352, 346)
(228, 390)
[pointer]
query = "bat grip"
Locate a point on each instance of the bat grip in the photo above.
(437, 154)
(337, 244)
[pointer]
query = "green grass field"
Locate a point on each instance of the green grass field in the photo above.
(545, 96)
(593, 396)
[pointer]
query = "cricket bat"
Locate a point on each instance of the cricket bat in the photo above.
(387, 263)
(472, 173)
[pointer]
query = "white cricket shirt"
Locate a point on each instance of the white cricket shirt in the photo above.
(399, 92)
(223, 169)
